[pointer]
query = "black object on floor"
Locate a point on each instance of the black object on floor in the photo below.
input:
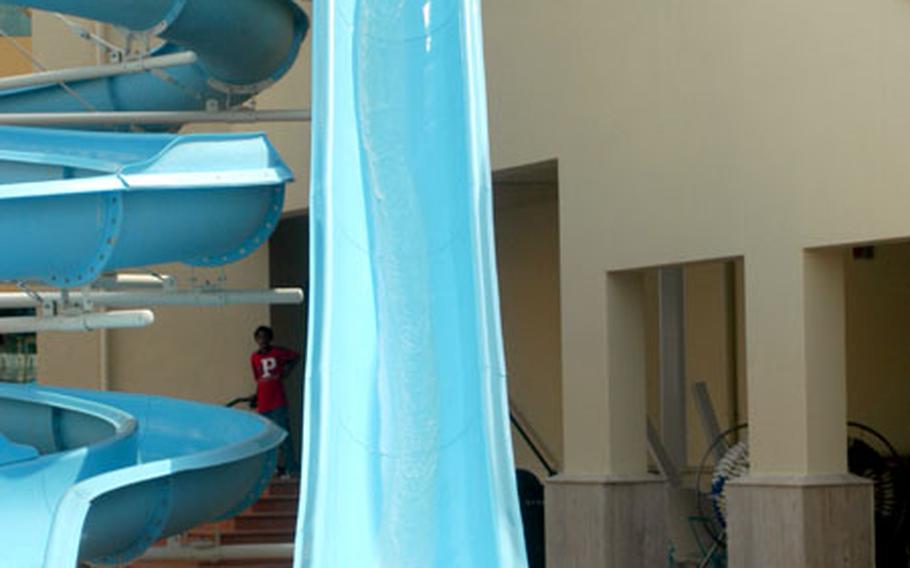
(531, 500)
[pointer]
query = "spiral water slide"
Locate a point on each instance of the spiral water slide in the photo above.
(95, 476)
(99, 476)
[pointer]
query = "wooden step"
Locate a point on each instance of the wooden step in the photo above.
(211, 529)
(272, 519)
(264, 563)
(247, 563)
(265, 521)
(165, 564)
(258, 537)
(284, 487)
(276, 503)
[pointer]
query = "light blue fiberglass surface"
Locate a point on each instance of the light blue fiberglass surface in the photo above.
(84, 203)
(98, 477)
(407, 453)
(243, 46)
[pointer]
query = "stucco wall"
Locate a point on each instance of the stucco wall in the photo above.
(692, 131)
(527, 250)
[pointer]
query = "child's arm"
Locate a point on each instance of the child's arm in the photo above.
(291, 359)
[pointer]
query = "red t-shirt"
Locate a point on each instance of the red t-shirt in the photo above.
(268, 368)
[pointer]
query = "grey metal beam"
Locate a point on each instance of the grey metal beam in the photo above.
(672, 341)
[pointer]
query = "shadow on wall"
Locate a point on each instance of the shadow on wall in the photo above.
(526, 210)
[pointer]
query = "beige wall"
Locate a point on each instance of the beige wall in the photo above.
(711, 333)
(692, 131)
(878, 333)
(527, 249)
(70, 359)
(877, 293)
(12, 62)
(55, 46)
(195, 353)
(710, 349)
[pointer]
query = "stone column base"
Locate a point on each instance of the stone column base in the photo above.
(606, 522)
(800, 522)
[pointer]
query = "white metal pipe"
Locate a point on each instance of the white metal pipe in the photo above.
(279, 551)
(97, 71)
(135, 282)
(18, 300)
(83, 322)
(153, 117)
(286, 296)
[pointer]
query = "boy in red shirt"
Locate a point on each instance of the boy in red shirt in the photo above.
(271, 365)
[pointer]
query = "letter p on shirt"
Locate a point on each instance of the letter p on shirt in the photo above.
(268, 365)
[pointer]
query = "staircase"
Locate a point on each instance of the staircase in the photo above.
(271, 520)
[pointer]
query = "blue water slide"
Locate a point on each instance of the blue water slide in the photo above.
(120, 200)
(97, 477)
(243, 46)
(80, 204)
(93, 476)
(407, 455)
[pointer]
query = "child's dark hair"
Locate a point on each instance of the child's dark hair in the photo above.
(266, 330)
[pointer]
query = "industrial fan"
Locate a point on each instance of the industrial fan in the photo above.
(869, 455)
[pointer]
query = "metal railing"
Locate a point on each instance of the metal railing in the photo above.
(532, 439)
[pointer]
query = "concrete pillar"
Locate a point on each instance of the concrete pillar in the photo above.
(606, 522)
(811, 521)
(798, 507)
(604, 510)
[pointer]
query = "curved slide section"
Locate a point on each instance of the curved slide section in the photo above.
(98, 477)
(83, 203)
(243, 46)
